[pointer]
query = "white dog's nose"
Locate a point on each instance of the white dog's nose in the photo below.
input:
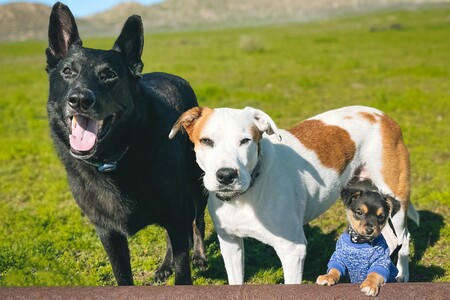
(226, 176)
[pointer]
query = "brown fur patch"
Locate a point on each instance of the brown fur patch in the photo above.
(193, 120)
(332, 144)
(379, 211)
(364, 209)
(368, 116)
(355, 224)
(396, 166)
(196, 131)
(256, 134)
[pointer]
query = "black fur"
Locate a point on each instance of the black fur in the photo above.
(354, 197)
(152, 179)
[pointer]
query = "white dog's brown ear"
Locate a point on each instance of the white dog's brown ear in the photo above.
(263, 122)
(186, 121)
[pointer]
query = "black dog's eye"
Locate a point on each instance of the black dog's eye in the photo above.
(107, 75)
(245, 141)
(207, 142)
(381, 219)
(67, 71)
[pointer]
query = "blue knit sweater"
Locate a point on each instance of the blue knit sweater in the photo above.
(362, 259)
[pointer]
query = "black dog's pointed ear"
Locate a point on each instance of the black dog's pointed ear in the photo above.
(348, 195)
(131, 42)
(62, 34)
(394, 205)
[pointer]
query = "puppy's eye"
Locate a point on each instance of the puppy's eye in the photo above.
(207, 142)
(359, 214)
(381, 219)
(244, 141)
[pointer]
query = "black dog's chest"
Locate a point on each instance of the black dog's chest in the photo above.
(108, 202)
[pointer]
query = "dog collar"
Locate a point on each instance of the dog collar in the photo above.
(356, 238)
(107, 166)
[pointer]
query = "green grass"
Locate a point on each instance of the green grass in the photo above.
(292, 72)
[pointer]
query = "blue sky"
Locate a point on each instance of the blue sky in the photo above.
(82, 8)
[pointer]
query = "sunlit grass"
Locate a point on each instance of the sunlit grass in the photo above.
(290, 71)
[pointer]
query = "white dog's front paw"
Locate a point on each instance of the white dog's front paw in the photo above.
(402, 278)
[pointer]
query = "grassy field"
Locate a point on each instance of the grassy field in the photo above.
(395, 61)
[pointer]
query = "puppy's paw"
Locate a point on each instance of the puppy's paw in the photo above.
(369, 288)
(326, 279)
(331, 278)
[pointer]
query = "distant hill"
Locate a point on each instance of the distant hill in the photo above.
(25, 21)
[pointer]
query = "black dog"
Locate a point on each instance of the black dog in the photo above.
(110, 125)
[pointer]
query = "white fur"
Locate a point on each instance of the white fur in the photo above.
(293, 186)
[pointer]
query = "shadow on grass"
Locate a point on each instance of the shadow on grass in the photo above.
(320, 248)
(216, 267)
(259, 257)
(423, 237)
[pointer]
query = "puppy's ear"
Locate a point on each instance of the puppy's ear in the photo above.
(349, 195)
(394, 205)
(131, 42)
(187, 121)
(263, 122)
(62, 34)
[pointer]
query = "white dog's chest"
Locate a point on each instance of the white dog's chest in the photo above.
(236, 218)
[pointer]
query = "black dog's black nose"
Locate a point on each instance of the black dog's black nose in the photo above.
(226, 175)
(81, 99)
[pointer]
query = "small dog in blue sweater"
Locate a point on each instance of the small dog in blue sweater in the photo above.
(362, 249)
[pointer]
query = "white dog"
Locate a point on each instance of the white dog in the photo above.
(266, 183)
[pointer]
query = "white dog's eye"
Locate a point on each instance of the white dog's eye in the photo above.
(245, 141)
(207, 142)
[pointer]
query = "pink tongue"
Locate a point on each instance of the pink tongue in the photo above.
(84, 134)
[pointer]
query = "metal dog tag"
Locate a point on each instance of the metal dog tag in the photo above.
(107, 167)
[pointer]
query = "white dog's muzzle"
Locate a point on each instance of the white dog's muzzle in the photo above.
(228, 175)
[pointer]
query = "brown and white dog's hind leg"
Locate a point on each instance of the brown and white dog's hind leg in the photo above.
(292, 256)
(392, 177)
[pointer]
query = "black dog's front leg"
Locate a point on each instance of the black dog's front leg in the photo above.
(165, 270)
(198, 228)
(116, 246)
(180, 246)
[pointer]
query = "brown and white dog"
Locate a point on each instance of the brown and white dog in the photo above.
(266, 183)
